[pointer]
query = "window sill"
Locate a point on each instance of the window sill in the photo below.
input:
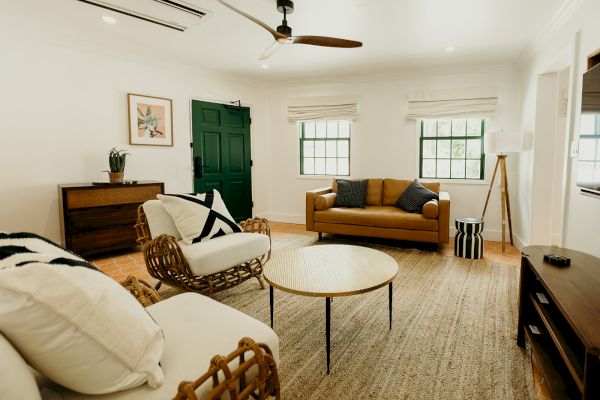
(322, 177)
(457, 181)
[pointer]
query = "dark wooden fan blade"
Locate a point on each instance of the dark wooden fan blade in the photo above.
(273, 32)
(325, 41)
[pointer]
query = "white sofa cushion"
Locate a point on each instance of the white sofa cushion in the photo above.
(16, 378)
(159, 220)
(199, 217)
(71, 322)
(196, 328)
(224, 252)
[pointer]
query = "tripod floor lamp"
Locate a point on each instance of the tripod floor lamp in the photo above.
(501, 143)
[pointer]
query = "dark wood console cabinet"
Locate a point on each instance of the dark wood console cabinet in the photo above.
(97, 219)
(559, 316)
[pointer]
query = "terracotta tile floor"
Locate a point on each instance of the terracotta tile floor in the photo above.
(122, 265)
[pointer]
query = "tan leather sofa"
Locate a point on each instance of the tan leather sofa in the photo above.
(380, 218)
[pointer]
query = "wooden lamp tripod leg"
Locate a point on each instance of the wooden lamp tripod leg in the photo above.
(507, 202)
(503, 199)
(491, 186)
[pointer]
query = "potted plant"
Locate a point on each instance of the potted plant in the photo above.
(116, 162)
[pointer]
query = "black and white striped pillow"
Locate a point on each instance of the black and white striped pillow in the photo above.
(199, 216)
(414, 197)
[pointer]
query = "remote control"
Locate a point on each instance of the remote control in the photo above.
(555, 259)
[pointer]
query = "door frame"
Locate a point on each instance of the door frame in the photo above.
(191, 139)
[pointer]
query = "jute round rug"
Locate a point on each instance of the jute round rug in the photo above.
(453, 335)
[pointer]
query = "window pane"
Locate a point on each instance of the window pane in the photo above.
(343, 166)
(343, 148)
(444, 127)
(443, 149)
(321, 128)
(473, 169)
(331, 166)
(588, 124)
(330, 150)
(473, 127)
(429, 148)
(474, 148)
(587, 149)
(309, 148)
(459, 127)
(443, 168)
(429, 127)
(319, 148)
(309, 166)
(344, 129)
(428, 169)
(458, 149)
(458, 168)
(332, 129)
(319, 166)
(309, 129)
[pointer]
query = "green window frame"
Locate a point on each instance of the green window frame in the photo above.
(325, 148)
(452, 148)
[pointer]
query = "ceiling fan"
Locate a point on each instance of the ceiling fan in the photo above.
(283, 33)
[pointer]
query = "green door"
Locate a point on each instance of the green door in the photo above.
(221, 154)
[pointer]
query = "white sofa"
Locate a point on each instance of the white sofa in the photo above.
(195, 328)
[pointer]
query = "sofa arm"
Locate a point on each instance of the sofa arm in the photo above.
(311, 195)
(444, 217)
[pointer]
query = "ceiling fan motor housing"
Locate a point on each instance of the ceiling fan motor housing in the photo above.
(285, 5)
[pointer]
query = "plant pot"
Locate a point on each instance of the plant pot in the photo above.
(115, 177)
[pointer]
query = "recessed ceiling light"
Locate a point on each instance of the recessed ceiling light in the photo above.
(450, 49)
(264, 66)
(109, 20)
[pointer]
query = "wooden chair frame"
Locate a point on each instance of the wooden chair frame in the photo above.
(165, 261)
(265, 385)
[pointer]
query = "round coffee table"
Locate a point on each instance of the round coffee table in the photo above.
(330, 271)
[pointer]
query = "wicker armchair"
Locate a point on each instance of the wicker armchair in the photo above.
(166, 262)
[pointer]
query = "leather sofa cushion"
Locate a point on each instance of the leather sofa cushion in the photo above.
(431, 209)
(374, 192)
(393, 188)
(325, 201)
(377, 216)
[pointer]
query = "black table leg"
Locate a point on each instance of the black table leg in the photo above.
(271, 301)
(390, 288)
(327, 327)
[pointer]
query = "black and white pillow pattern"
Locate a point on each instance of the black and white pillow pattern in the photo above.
(199, 216)
(57, 309)
(414, 197)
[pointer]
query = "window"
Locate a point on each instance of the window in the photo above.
(325, 148)
(588, 169)
(452, 148)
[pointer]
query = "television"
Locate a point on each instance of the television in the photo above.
(588, 164)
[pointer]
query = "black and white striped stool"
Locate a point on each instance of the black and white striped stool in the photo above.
(468, 242)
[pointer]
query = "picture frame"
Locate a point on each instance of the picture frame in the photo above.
(150, 120)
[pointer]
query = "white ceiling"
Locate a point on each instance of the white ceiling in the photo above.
(397, 34)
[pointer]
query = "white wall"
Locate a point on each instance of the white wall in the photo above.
(384, 143)
(581, 213)
(63, 107)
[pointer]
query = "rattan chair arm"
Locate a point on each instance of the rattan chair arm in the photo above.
(258, 225)
(164, 258)
(141, 290)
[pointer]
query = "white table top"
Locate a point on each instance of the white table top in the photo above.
(330, 270)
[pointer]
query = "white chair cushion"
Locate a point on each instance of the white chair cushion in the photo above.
(16, 378)
(159, 220)
(71, 322)
(224, 252)
(196, 328)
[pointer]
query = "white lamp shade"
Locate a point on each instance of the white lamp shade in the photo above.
(503, 142)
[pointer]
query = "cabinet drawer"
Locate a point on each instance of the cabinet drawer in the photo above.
(86, 219)
(103, 240)
(83, 198)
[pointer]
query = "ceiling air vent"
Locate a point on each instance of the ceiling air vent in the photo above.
(174, 14)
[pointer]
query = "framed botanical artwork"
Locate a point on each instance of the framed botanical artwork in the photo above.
(150, 120)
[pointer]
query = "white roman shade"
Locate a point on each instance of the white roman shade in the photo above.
(324, 107)
(478, 102)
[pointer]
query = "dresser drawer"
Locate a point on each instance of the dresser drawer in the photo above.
(83, 198)
(85, 219)
(104, 240)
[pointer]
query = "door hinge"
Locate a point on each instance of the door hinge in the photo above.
(192, 144)
(250, 120)
(252, 203)
(251, 163)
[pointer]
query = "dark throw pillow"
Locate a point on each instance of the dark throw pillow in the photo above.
(351, 193)
(414, 197)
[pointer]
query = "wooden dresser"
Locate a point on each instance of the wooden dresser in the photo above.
(559, 315)
(96, 219)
